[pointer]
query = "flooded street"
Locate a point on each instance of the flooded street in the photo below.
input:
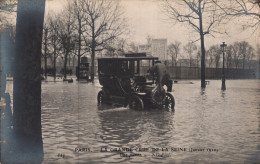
(207, 125)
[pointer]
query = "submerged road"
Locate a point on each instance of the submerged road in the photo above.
(207, 126)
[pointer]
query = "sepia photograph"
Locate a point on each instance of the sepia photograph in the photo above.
(129, 81)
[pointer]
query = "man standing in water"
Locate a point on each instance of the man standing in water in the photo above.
(162, 76)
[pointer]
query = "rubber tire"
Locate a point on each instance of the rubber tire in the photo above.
(100, 98)
(136, 100)
(170, 98)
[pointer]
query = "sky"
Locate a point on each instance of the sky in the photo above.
(145, 18)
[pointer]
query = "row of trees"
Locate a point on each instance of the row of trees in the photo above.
(206, 17)
(7, 7)
(238, 54)
(84, 26)
(27, 82)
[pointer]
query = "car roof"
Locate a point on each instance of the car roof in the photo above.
(128, 58)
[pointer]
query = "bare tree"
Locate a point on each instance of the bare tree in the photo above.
(116, 47)
(66, 36)
(214, 53)
(110, 50)
(198, 57)
(242, 8)
(249, 56)
(120, 46)
(190, 48)
(170, 52)
(132, 47)
(104, 20)
(217, 55)
(237, 56)
(7, 7)
(46, 44)
(209, 55)
(201, 15)
(55, 45)
(229, 56)
(174, 51)
(245, 51)
(81, 28)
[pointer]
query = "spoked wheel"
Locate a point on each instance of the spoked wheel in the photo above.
(169, 101)
(136, 103)
(101, 98)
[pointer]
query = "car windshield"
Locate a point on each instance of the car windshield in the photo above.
(124, 66)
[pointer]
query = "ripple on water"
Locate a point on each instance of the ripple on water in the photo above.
(210, 118)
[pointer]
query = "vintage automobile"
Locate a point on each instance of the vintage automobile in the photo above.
(125, 81)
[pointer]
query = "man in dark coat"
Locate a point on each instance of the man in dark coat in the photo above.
(162, 76)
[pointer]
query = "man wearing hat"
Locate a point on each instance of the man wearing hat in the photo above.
(162, 76)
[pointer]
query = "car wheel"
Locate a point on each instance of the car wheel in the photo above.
(136, 103)
(169, 101)
(101, 98)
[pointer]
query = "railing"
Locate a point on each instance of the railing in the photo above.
(210, 73)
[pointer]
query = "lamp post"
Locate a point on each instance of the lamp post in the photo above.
(223, 86)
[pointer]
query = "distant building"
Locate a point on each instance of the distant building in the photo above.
(156, 48)
(159, 48)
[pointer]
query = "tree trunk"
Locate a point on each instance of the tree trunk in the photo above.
(203, 84)
(67, 50)
(69, 60)
(176, 58)
(73, 62)
(65, 64)
(79, 48)
(236, 63)
(78, 74)
(92, 63)
(27, 138)
(93, 49)
(45, 66)
(244, 56)
(54, 62)
(45, 53)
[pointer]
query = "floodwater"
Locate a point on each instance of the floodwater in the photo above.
(207, 126)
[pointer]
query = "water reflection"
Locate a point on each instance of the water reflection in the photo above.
(223, 92)
(203, 118)
(203, 93)
(124, 126)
